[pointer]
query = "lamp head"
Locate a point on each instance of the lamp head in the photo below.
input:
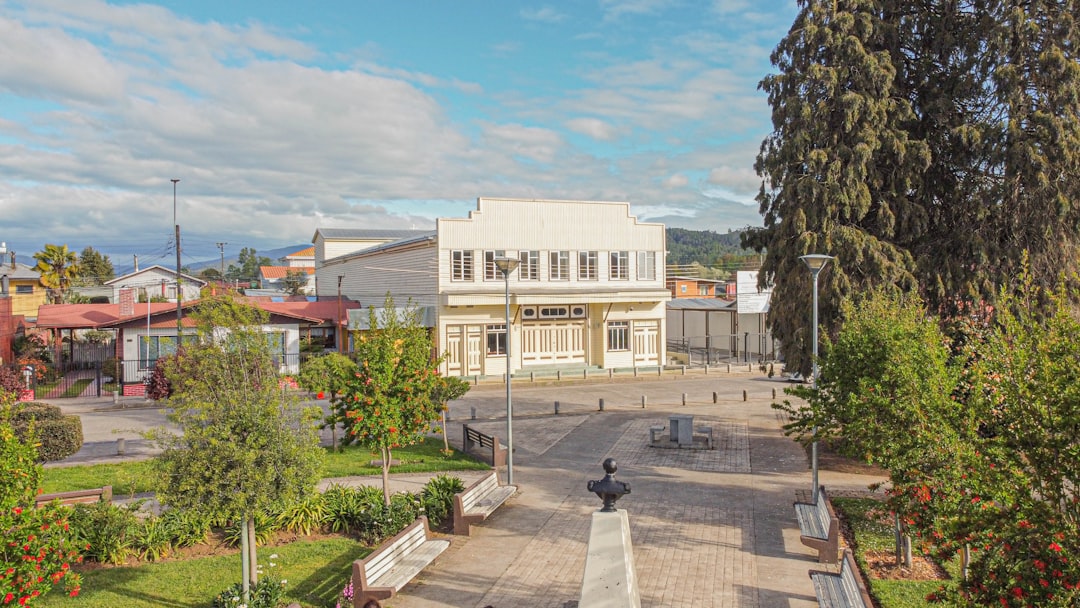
(507, 265)
(816, 261)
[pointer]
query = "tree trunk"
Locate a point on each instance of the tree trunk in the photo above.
(253, 559)
(386, 474)
(445, 439)
(245, 567)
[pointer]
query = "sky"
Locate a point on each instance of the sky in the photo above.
(279, 118)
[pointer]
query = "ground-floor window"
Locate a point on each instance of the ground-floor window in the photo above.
(496, 339)
(151, 348)
(618, 335)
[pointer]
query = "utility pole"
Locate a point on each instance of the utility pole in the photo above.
(221, 248)
(179, 315)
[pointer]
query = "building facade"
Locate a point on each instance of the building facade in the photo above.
(589, 290)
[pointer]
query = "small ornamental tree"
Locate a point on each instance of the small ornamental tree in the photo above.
(37, 549)
(389, 398)
(446, 390)
(1018, 508)
(328, 376)
(246, 446)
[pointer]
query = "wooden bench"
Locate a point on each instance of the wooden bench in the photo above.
(494, 451)
(76, 497)
(844, 589)
(820, 527)
(705, 431)
(478, 501)
(395, 562)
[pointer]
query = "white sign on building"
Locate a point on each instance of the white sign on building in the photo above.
(748, 298)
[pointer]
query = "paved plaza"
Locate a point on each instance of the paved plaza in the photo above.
(709, 527)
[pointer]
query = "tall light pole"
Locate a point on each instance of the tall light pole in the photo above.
(815, 262)
(507, 266)
(221, 250)
(179, 324)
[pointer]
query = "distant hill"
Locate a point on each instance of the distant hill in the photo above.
(705, 247)
(273, 254)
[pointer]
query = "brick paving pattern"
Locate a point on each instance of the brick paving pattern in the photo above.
(731, 455)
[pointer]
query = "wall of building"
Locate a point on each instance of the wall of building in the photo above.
(407, 273)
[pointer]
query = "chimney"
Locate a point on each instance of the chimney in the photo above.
(136, 263)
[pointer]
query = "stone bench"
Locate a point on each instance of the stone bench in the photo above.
(493, 450)
(820, 527)
(844, 589)
(706, 432)
(395, 562)
(654, 432)
(75, 497)
(478, 501)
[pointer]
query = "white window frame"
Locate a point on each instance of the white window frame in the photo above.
(493, 332)
(588, 262)
(618, 336)
(559, 265)
(646, 265)
(619, 270)
(529, 270)
(461, 265)
(491, 271)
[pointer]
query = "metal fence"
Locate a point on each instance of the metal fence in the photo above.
(138, 371)
(746, 347)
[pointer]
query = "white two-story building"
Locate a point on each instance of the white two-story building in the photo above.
(589, 290)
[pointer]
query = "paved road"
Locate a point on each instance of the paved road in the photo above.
(709, 528)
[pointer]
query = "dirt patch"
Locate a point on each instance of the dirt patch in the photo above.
(882, 565)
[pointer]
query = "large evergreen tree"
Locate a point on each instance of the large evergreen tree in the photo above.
(922, 143)
(94, 267)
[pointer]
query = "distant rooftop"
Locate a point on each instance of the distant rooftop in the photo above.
(362, 233)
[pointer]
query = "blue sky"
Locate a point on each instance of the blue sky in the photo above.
(283, 117)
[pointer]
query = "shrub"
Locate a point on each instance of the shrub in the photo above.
(11, 381)
(266, 593)
(303, 517)
(112, 368)
(265, 526)
(152, 538)
(186, 528)
(438, 497)
(108, 531)
(159, 386)
(58, 436)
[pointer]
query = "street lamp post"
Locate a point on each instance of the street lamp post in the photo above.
(507, 266)
(176, 226)
(815, 262)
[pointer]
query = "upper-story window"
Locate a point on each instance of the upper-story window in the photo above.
(491, 271)
(529, 270)
(587, 261)
(24, 289)
(646, 265)
(620, 265)
(559, 266)
(461, 265)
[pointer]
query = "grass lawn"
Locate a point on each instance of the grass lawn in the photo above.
(873, 531)
(316, 571)
(135, 477)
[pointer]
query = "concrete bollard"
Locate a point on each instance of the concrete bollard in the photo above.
(532, 376)
(749, 367)
(116, 397)
(473, 413)
(644, 400)
(556, 408)
(715, 397)
(558, 375)
(121, 446)
(610, 373)
(601, 405)
(706, 369)
(635, 372)
(684, 370)
(659, 370)
(684, 398)
(774, 393)
(729, 368)
(585, 374)
(744, 396)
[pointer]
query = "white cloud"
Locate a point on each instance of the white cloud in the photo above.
(676, 181)
(48, 63)
(593, 127)
(544, 14)
(614, 9)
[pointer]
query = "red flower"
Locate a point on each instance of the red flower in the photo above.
(1018, 592)
(17, 510)
(321, 395)
(1055, 547)
(9, 597)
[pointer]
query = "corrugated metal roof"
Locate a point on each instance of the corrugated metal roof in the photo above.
(364, 234)
(21, 271)
(701, 304)
(417, 238)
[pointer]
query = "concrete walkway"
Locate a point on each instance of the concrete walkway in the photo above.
(709, 528)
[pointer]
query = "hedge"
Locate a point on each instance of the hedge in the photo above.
(58, 436)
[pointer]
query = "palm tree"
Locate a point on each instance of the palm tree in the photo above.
(57, 265)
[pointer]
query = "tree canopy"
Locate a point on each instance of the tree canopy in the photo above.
(247, 265)
(58, 267)
(94, 267)
(925, 145)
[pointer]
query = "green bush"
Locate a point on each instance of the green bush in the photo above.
(438, 497)
(303, 517)
(266, 593)
(186, 528)
(58, 436)
(152, 538)
(112, 368)
(108, 531)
